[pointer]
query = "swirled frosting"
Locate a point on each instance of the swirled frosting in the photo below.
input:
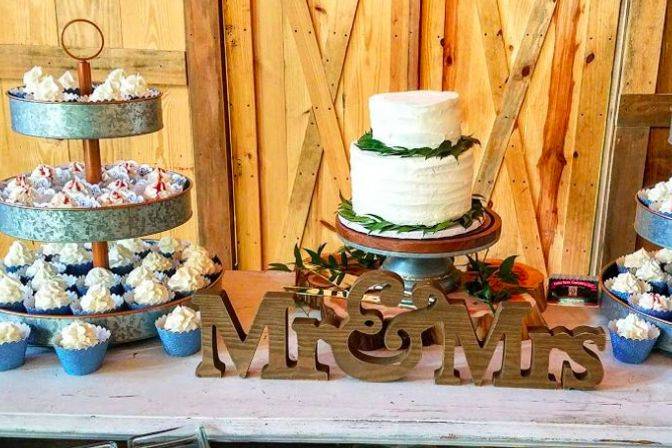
(73, 253)
(120, 256)
(169, 245)
(193, 249)
(78, 335)
(100, 276)
(151, 292)
(10, 332)
(138, 275)
(51, 295)
(157, 262)
(11, 290)
(636, 259)
(97, 300)
(627, 282)
(19, 255)
(135, 245)
(186, 279)
(182, 319)
(664, 256)
(202, 263)
(651, 271)
(633, 327)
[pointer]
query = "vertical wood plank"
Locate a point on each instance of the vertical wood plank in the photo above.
(153, 24)
(432, 29)
(414, 15)
(643, 43)
(105, 13)
(242, 119)
(450, 47)
(206, 70)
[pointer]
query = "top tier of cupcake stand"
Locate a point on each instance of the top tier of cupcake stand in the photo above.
(655, 227)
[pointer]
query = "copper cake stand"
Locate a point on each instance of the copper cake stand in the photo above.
(428, 260)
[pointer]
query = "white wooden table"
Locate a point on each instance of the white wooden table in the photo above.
(140, 390)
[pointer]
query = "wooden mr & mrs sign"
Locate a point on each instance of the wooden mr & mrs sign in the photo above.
(402, 337)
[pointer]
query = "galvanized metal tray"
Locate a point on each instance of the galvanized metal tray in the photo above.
(80, 225)
(652, 225)
(125, 326)
(85, 120)
(615, 308)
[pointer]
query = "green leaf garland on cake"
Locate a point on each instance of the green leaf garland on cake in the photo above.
(374, 223)
(445, 149)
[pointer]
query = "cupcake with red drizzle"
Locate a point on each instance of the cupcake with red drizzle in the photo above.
(61, 200)
(158, 190)
(42, 176)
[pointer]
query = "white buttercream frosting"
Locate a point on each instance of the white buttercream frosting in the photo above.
(98, 300)
(12, 332)
(11, 290)
(634, 327)
(120, 256)
(135, 245)
(73, 253)
(627, 282)
(186, 279)
(169, 245)
(182, 319)
(651, 271)
(47, 90)
(51, 295)
(78, 335)
(67, 81)
(19, 255)
(32, 78)
(411, 190)
(636, 259)
(101, 276)
(193, 249)
(415, 119)
(652, 301)
(151, 292)
(202, 263)
(157, 262)
(664, 256)
(138, 275)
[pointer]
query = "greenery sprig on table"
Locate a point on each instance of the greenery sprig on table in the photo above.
(445, 149)
(374, 223)
(492, 283)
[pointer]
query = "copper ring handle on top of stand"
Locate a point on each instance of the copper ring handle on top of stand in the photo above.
(96, 27)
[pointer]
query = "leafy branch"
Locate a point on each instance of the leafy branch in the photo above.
(374, 223)
(492, 283)
(445, 149)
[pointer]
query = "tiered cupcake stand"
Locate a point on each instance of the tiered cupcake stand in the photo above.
(90, 122)
(423, 260)
(655, 227)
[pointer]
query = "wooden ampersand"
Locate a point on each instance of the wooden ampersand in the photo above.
(402, 337)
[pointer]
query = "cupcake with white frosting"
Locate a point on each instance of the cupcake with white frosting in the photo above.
(656, 305)
(52, 298)
(632, 338)
(651, 272)
(192, 249)
(159, 263)
(180, 331)
(137, 246)
(18, 258)
(633, 261)
(122, 260)
(12, 293)
(13, 344)
(205, 265)
(76, 258)
(51, 250)
(170, 247)
(100, 277)
(81, 347)
(98, 300)
(186, 281)
(149, 293)
(626, 284)
(139, 275)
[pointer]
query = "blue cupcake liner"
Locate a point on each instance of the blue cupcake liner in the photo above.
(123, 270)
(14, 306)
(15, 269)
(13, 354)
(82, 362)
(180, 344)
(79, 269)
(61, 311)
(659, 287)
(625, 296)
(630, 351)
(664, 315)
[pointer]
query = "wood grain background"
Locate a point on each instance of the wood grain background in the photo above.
(393, 45)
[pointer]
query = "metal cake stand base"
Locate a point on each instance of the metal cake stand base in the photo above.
(429, 260)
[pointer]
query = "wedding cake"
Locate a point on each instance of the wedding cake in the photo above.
(414, 170)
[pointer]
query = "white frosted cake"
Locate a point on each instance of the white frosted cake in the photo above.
(415, 168)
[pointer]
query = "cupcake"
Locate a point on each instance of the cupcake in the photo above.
(633, 261)
(651, 272)
(122, 260)
(97, 300)
(77, 260)
(18, 258)
(81, 347)
(169, 247)
(101, 277)
(12, 293)
(13, 345)
(158, 263)
(186, 281)
(149, 293)
(656, 305)
(51, 250)
(42, 272)
(664, 256)
(632, 338)
(137, 276)
(51, 298)
(180, 331)
(193, 249)
(623, 285)
(204, 265)
(137, 246)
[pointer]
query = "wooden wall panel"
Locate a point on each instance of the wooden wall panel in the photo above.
(142, 33)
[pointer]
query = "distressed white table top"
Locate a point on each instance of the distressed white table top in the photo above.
(140, 390)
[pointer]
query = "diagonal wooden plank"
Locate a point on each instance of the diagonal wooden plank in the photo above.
(318, 89)
(242, 121)
(310, 158)
(498, 73)
(513, 96)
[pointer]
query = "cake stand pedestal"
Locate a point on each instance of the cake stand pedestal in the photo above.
(429, 260)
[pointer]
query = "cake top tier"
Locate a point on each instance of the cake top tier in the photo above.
(416, 119)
